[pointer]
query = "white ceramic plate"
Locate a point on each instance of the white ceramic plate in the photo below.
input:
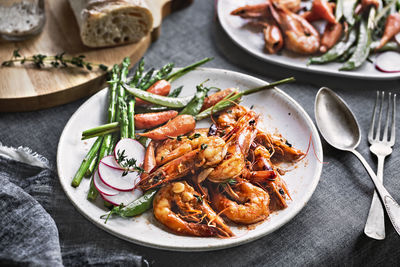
(280, 114)
(253, 42)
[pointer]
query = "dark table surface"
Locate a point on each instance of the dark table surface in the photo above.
(329, 230)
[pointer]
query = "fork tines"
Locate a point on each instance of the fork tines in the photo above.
(375, 135)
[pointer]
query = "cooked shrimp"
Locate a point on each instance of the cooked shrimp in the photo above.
(210, 153)
(261, 169)
(281, 150)
(239, 139)
(242, 202)
(180, 208)
(272, 35)
(229, 117)
(299, 35)
(173, 148)
(292, 5)
(252, 11)
(273, 38)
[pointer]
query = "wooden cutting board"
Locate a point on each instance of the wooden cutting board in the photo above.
(27, 88)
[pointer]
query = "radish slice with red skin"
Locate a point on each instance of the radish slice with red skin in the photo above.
(115, 179)
(123, 197)
(111, 162)
(103, 188)
(388, 62)
(132, 150)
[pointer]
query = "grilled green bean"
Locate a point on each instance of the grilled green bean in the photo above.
(337, 50)
(362, 48)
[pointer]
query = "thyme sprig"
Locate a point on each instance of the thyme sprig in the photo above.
(58, 60)
(129, 164)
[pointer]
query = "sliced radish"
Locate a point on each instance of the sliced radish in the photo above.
(123, 197)
(131, 149)
(388, 62)
(110, 162)
(116, 179)
(397, 38)
(103, 188)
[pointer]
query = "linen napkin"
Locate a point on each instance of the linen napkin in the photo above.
(29, 194)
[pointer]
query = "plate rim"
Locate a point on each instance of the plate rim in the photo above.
(262, 56)
(318, 150)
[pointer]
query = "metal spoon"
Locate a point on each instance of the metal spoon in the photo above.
(340, 129)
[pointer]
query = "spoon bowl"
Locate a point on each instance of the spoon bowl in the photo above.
(335, 120)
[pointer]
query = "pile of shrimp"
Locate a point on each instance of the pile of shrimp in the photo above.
(227, 172)
(285, 23)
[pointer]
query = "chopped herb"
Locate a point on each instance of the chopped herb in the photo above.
(231, 182)
(288, 144)
(252, 106)
(179, 137)
(203, 146)
(281, 191)
(252, 122)
(196, 135)
(199, 198)
(228, 182)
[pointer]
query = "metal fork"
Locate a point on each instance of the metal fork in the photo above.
(381, 147)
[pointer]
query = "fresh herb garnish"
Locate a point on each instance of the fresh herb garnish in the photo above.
(179, 137)
(58, 60)
(203, 146)
(196, 135)
(199, 198)
(228, 182)
(129, 164)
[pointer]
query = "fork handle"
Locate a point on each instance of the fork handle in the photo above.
(375, 226)
(391, 206)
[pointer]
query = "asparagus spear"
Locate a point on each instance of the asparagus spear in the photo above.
(122, 109)
(104, 150)
(146, 78)
(138, 73)
(160, 75)
(86, 162)
(92, 166)
(131, 118)
(105, 146)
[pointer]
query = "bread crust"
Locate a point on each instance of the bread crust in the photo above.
(112, 22)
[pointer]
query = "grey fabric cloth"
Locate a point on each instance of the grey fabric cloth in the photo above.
(328, 231)
(29, 235)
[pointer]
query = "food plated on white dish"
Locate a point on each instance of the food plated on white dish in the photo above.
(191, 206)
(317, 36)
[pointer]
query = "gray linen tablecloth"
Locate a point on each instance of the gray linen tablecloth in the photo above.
(328, 231)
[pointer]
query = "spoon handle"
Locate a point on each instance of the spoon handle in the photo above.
(391, 206)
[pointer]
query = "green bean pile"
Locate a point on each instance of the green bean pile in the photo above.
(365, 30)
